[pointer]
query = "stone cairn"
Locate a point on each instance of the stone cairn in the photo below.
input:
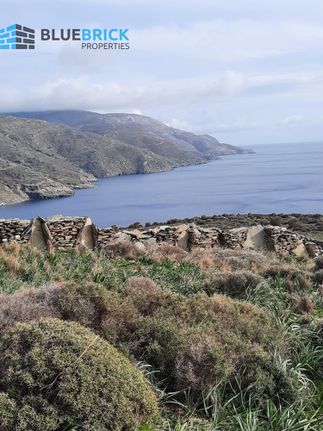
(62, 233)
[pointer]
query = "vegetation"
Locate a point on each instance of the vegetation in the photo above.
(59, 375)
(228, 340)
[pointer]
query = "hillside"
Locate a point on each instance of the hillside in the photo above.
(39, 159)
(142, 132)
(216, 339)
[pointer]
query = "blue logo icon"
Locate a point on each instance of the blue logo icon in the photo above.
(17, 37)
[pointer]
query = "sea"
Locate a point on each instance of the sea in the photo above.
(277, 178)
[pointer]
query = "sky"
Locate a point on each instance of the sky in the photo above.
(244, 71)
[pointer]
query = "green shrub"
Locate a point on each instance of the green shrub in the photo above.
(56, 375)
(7, 412)
(196, 341)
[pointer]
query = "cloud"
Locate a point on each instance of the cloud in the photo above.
(87, 92)
(235, 126)
(293, 119)
(228, 67)
(180, 124)
(84, 92)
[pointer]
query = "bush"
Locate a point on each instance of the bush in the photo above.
(234, 260)
(318, 263)
(197, 341)
(125, 249)
(168, 252)
(302, 304)
(292, 278)
(7, 412)
(56, 375)
(318, 277)
(275, 220)
(235, 284)
(28, 305)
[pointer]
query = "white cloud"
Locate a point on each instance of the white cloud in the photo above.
(292, 119)
(242, 124)
(180, 124)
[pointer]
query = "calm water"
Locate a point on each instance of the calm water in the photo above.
(278, 178)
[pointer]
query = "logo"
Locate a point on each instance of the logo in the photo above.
(17, 37)
(91, 39)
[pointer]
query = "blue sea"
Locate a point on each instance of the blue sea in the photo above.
(277, 178)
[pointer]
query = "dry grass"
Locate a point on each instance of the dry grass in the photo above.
(28, 305)
(124, 249)
(302, 304)
(12, 264)
(230, 260)
(168, 252)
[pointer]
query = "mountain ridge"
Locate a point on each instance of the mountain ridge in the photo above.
(51, 153)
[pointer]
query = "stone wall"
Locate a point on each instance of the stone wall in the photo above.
(15, 230)
(63, 233)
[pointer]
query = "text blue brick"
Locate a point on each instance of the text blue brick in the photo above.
(4, 46)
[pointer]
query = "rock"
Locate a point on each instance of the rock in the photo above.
(40, 234)
(183, 241)
(312, 249)
(87, 237)
(139, 246)
(256, 238)
(300, 250)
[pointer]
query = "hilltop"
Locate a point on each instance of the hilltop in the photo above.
(49, 154)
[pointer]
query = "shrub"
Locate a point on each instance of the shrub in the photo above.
(302, 304)
(293, 278)
(232, 260)
(318, 263)
(57, 375)
(195, 341)
(124, 249)
(275, 220)
(235, 284)
(168, 252)
(318, 277)
(7, 412)
(28, 305)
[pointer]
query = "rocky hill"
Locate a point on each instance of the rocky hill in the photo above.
(39, 159)
(142, 132)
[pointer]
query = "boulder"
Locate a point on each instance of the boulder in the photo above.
(87, 237)
(40, 237)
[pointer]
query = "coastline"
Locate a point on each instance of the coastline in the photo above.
(63, 190)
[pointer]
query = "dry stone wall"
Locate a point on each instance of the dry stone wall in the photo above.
(15, 230)
(63, 233)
